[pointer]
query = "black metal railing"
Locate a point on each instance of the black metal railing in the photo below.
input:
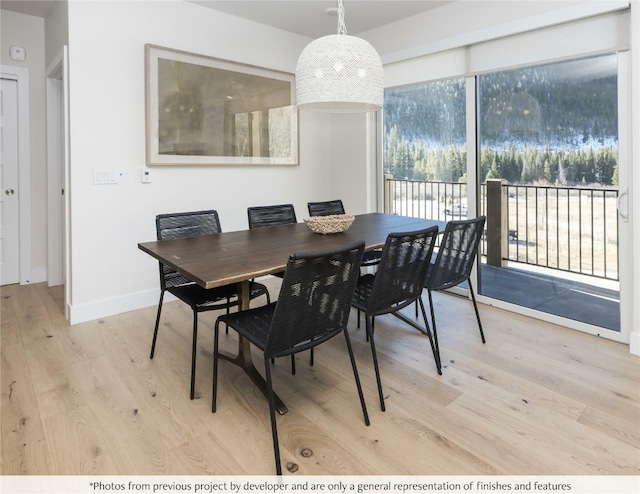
(572, 229)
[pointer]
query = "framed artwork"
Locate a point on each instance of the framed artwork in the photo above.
(207, 111)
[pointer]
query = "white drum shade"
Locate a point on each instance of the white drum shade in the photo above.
(339, 74)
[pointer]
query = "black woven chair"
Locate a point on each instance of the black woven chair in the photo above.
(280, 214)
(313, 306)
(454, 261)
(262, 216)
(398, 282)
(191, 224)
(325, 208)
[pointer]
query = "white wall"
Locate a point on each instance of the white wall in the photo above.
(28, 31)
(107, 113)
(55, 31)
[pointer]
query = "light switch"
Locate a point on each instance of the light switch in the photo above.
(104, 177)
(145, 175)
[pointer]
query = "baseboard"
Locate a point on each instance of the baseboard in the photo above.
(80, 313)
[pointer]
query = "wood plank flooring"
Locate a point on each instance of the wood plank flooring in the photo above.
(537, 399)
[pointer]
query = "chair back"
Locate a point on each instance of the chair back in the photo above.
(315, 299)
(402, 271)
(456, 254)
(281, 214)
(181, 225)
(325, 208)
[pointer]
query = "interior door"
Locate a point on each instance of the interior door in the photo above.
(9, 206)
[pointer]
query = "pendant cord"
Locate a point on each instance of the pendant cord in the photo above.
(342, 27)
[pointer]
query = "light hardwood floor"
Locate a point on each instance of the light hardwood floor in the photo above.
(536, 399)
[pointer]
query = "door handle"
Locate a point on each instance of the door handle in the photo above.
(625, 213)
(9, 192)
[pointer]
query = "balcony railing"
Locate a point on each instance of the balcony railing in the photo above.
(572, 229)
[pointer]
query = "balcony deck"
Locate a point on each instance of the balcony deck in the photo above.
(553, 294)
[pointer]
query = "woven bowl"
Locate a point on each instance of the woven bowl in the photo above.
(333, 223)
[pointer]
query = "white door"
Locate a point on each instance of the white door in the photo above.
(9, 207)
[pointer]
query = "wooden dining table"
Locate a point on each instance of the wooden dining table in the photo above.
(240, 256)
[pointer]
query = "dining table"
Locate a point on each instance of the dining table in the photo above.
(240, 256)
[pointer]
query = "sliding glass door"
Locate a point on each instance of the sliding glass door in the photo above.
(549, 176)
(536, 150)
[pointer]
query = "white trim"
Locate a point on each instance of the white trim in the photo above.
(625, 171)
(110, 307)
(67, 183)
(55, 148)
(634, 180)
(372, 173)
(21, 75)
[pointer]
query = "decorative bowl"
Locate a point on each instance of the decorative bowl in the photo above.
(333, 223)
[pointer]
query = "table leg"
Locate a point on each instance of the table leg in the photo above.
(244, 360)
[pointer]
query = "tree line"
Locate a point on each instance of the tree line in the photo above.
(533, 164)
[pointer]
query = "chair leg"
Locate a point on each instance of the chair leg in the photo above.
(293, 364)
(155, 331)
(475, 306)
(226, 328)
(373, 327)
(194, 351)
(433, 340)
(369, 326)
(214, 387)
(357, 377)
(272, 414)
(435, 332)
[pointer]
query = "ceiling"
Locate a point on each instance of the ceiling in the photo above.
(308, 17)
(37, 8)
(305, 17)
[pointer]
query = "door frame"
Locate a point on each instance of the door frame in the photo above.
(57, 166)
(625, 171)
(625, 260)
(21, 75)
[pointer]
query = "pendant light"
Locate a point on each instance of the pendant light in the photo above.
(339, 73)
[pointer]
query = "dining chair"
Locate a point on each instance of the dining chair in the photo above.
(263, 216)
(277, 214)
(454, 260)
(312, 307)
(280, 214)
(192, 224)
(397, 283)
(325, 208)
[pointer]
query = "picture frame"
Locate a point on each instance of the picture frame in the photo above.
(202, 110)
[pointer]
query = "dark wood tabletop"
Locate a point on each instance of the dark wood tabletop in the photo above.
(231, 257)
